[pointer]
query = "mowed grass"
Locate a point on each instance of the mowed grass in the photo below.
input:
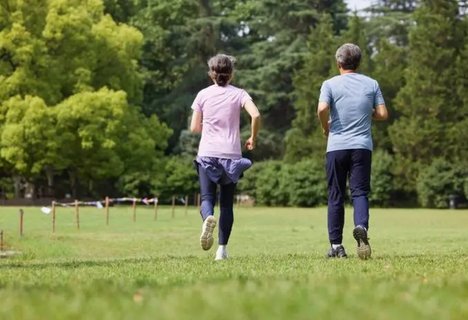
(156, 270)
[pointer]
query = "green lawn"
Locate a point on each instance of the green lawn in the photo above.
(156, 270)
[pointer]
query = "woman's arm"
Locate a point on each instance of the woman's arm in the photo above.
(196, 124)
(252, 109)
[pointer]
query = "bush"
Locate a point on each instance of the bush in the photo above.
(268, 185)
(246, 184)
(273, 183)
(305, 183)
(180, 178)
(440, 180)
(382, 186)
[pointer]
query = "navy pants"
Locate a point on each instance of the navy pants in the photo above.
(226, 202)
(354, 164)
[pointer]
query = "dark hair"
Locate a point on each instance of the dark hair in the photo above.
(221, 68)
(348, 56)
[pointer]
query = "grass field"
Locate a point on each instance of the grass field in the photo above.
(155, 269)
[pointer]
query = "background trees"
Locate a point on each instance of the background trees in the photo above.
(70, 93)
(95, 95)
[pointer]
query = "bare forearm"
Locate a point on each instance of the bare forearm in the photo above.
(380, 113)
(323, 118)
(196, 123)
(323, 113)
(255, 126)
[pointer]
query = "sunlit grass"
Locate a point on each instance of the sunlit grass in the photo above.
(155, 269)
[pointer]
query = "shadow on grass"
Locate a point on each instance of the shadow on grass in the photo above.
(266, 259)
(89, 263)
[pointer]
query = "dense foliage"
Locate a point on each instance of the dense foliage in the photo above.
(95, 95)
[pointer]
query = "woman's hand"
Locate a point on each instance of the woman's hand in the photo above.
(250, 143)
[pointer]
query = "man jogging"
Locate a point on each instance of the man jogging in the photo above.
(347, 105)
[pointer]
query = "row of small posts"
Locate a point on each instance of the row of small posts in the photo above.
(106, 208)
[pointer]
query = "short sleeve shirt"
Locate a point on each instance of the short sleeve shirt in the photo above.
(220, 108)
(352, 98)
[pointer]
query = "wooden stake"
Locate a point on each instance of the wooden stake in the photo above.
(173, 206)
(53, 216)
(134, 209)
(186, 204)
(77, 214)
(1, 240)
(107, 211)
(21, 214)
(155, 209)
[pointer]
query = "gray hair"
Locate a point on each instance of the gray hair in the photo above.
(221, 67)
(348, 56)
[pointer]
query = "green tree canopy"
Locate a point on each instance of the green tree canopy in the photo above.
(428, 102)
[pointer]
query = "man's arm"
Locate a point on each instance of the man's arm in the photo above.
(323, 113)
(380, 113)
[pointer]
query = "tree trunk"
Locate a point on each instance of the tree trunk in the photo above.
(73, 183)
(49, 171)
(17, 184)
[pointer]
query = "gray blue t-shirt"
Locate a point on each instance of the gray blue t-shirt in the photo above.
(352, 98)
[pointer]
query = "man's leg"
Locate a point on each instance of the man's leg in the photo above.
(337, 171)
(359, 183)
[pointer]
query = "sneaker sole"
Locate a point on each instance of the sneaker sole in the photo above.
(221, 258)
(363, 247)
(206, 238)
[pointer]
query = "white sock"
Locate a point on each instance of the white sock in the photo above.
(334, 246)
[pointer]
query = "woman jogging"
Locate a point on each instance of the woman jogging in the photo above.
(216, 114)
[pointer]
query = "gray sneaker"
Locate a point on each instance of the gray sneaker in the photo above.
(206, 237)
(363, 247)
(339, 252)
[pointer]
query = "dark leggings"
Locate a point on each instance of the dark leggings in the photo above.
(208, 202)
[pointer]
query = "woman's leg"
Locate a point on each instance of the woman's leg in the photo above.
(208, 201)
(207, 194)
(226, 219)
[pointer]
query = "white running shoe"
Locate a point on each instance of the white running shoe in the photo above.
(221, 254)
(206, 237)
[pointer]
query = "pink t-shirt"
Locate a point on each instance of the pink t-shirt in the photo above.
(220, 108)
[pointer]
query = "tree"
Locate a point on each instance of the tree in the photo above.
(427, 103)
(357, 34)
(102, 137)
(275, 32)
(389, 63)
(65, 64)
(27, 138)
(457, 133)
(305, 138)
(390, 20)
(59, 47)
